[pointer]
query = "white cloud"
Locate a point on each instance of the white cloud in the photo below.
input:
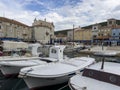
(14, 10)
(89, 12)
(83, 13)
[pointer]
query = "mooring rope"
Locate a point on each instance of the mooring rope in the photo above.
(63, 87)
(14, 88)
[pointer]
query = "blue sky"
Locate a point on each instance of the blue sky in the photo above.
(63, 13)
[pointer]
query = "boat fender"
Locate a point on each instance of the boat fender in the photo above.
(81, 88)
(25, 74)
(22, 76)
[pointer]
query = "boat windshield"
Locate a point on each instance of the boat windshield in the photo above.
(30, 48)
(53, 51)
(102, 76)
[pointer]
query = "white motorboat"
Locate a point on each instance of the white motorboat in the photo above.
(73, 46)
(105, 53)
(12, 68)
(34, 50)
(96, 78)
(54, 73)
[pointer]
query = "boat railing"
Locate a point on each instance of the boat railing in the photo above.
(69, 63)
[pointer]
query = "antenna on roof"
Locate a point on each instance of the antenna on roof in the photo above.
(4, 14)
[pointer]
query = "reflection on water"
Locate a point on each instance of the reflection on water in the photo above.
(12, 84)
(18, 84)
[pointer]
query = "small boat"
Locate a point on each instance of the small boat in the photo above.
(105, 53)
(97, 77)
(12, 68)
(34, 53)
(53, 73)
(73, 46)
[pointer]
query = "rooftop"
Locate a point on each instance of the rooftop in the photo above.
(3, 19)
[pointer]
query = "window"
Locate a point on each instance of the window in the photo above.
(105, 34)
(94, 27)
(39, 49)
(113, 79)
(30, 48)
(113, 33)
(94, 36)
(11, 30)
(110, 22)
(53, 51)
(0, 26)
(91, 73)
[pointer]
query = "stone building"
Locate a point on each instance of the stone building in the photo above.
(70, 35)
(63, 35)
(83, 35)
(10, 28)
(43, 31)
(98, 33)
(116, 35)
(102, 32)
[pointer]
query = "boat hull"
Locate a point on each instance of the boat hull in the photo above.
(79, 82)
(35, 83)
(9, 71)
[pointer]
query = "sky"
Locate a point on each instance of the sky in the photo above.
(63, 13)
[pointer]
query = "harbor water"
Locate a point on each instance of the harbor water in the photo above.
(15, 83)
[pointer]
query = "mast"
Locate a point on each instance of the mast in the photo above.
(103, 60)
(73, 35)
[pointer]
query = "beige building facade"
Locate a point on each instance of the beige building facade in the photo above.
(13, 29)
(103, 31)
(43, 31)
(70, 35)
(82, 34)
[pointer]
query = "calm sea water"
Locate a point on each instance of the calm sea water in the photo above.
(18, 84)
